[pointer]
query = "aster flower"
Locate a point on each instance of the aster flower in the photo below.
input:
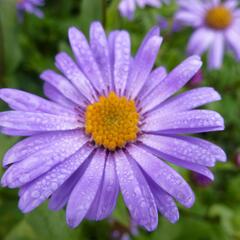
(30, 6)
(127, 7)
(110, 125)
(217, 27)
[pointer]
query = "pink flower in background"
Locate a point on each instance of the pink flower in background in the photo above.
(217, 28)
(128, 7)
(30, 6)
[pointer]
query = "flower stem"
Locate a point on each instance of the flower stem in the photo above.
(104, 12)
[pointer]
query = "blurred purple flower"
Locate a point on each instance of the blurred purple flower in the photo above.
(127, 7)
(109, 122)
(200, 180)
(30, 6)
(196, 79)
(162, 22)
(217, 27)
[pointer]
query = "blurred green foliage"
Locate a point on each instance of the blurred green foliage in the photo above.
(28, 48)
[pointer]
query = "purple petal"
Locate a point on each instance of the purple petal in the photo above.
(122, 56)
(100, 50)
(195, 121)
(43, 160)
(136, 192)
(23, 101)
(174, 81)
(143, 65)
(178, 148)
(40, 189)
(66, 65)
(54, 95)
(165, 203)
(163, 175)
(200, 41)
(85, 59)
(233, 39)
(33, 144)
(38, 121)
(14, 132)
(105, 201)
(63, 86)
(155, 77)
(127, 8)
(85, 190)
(216, 52)
(187, 101)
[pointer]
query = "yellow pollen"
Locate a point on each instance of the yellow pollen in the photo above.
(112, 121)
(218, 18)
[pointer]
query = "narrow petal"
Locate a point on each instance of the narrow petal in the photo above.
(85, 190)
(233, 39)
(41, 189)
(23, 101)
(216, 52)
(127, 8)
(122, 56)
(100, 50)
(143, 65)
(188, 18)
(42, 161)
(195, 121)
(174, 81)
(85, 59)
(216, 151)
(136, 192)
(155, 77)
(178, 148)
(165, 203)
(187, 101)
(38, 121)
(200, 41)
(14, 132)
(54, 95)
(63, 86)
(106, 199)
(33, 144)
(163, 175)
(74, 74)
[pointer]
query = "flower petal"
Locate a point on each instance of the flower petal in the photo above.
(143, 65)
(40, 189)
(85, 190)
(68, 67)
(63, 86)
(100, 50)
(43, 160)
(136, 192)
(122, 56)
(187, 101)
(216, 52)
(23, 101)
(38, 121)
(85, 59)
(174, 81)
(105, 201)
(233, 39)
(33, 144)
(195, 121)
(178, 148)
(54, 95)
(163, 175)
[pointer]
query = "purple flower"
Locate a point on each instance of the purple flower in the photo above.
(127, 7)
(30, 6)
(217, 27)
(109, 121)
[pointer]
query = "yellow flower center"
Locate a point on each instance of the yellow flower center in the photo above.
(112, 121)
(218, 17)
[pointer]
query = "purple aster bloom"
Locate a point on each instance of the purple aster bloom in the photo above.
(30, 6)
(217, 27)
(127, 7)
(110, 125)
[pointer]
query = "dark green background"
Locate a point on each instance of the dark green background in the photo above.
(29, 48)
